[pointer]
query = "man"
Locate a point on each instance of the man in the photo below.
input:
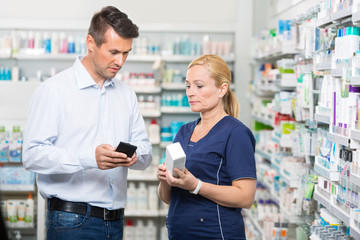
(76, 120)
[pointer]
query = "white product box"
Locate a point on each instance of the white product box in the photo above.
(175, 158)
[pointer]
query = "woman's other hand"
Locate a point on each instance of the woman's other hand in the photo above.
(161, 172)
(185, 180)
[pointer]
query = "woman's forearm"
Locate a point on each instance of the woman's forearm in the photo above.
(164, 192)
(238, 195)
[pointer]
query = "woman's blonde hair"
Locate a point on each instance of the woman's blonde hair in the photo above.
(220, 71)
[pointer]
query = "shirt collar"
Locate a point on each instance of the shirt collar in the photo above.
(83, 78)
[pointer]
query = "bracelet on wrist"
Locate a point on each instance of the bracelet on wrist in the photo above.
(197, 189)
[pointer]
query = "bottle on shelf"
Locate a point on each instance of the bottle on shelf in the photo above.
(131, 197)
(141, 197)
(154, 131)
(129, 230)
(150, 231)
(139, 232)
(29, 211)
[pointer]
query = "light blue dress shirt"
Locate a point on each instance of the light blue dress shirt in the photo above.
(70, 115)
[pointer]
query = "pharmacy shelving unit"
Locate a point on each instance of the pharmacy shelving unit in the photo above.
(13, 111)
(30, 63)
(341, 18)
(264, 91)
(338, 19)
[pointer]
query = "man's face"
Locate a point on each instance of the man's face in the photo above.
(108, 59)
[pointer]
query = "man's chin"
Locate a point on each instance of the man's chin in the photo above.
(111, 75)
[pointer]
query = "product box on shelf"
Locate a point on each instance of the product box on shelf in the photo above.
(16, 176)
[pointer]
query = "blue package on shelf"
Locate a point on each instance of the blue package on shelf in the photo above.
(16, 175)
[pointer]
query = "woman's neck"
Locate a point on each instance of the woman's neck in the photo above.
(208, 120)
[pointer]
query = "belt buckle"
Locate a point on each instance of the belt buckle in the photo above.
(107, 214)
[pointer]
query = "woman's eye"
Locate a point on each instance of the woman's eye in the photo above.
(199, 86)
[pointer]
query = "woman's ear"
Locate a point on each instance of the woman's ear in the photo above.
(223, 89)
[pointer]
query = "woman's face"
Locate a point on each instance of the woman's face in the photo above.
(202, 93)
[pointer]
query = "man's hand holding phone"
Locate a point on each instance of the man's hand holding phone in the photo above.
(108, 157)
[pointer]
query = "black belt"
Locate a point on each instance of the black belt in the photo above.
(57, 204)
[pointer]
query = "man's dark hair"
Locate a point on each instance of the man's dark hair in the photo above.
(111, 17)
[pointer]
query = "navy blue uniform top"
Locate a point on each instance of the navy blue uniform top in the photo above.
(225, 154)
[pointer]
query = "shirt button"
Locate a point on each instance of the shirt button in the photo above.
(201, 219)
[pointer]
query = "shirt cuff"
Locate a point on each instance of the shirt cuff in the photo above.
(87, 158)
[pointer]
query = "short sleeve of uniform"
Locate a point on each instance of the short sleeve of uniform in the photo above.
(239, 155)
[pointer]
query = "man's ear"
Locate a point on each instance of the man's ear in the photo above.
(90, 43)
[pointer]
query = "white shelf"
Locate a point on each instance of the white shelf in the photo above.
(282, 109)
(340, 213)
(331, 175)
(17, 187)
(287, 81)
(355, 80)
(354, 231)
(263, 154)
(23, 230)
(164, 144)
(131, 58)
(297, 219)
(322, 118)
(173, 86)
(155, 142)
(262, 120)
(332, 207)
(5, 54)
(267, 88)
(275, 139)
(142, 58)
(355, 178)
(277, 54)
(356, 17)
(321, 23)
(141, 177)
(290, 182)
(323, 66)
(322, 199)
(142, 213)
(355, 134)
(150, 114)
(147, 90)
(177, 110)
(254, 222)
(275, 198)
(44, 56)
(339, 15)
(189, 58)
(336, 72)
(340, 139)
(275, 163)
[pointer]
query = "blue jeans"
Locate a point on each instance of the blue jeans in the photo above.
(63, 225)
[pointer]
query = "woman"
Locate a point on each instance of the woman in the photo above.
(220, 176)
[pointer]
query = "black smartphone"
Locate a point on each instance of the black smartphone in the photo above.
(126, 148)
